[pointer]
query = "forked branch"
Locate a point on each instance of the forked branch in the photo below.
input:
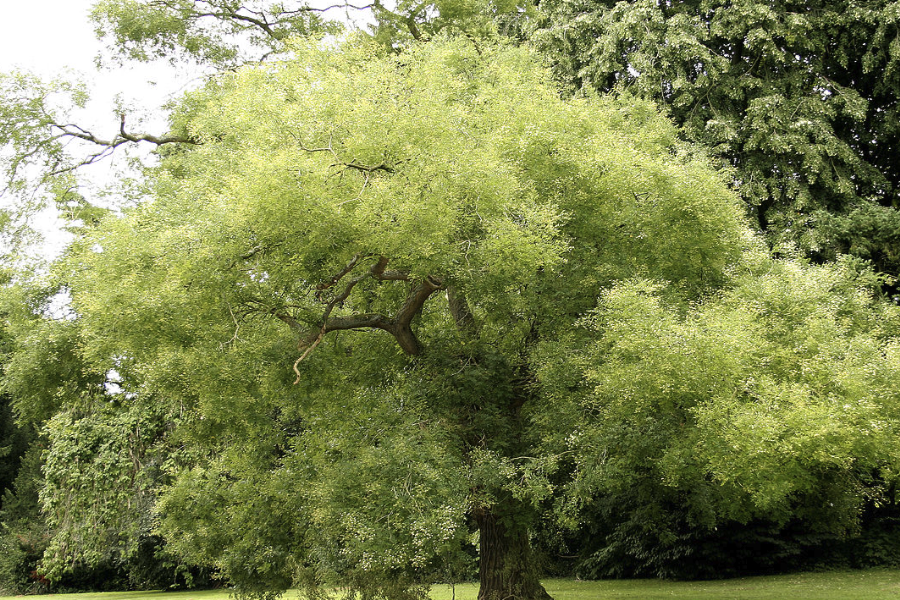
(399, 325)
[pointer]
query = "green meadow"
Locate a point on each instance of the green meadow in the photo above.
(876, 584)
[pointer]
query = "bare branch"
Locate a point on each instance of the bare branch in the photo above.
(261, 23)
(392, 276)
(361, 321)
(237, 328)
(69, 130)
(57, 170)
(312, 347)
(267, 22)
(353, 164)
(251, 253)
(74, 131)
(159, 141)
(306, 9)
(365, 168)
(325, 149)
(413, 28)
(339, 299)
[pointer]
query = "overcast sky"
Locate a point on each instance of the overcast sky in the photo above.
(55, 37)
(45, 35)
(51, 37)
(48, 37)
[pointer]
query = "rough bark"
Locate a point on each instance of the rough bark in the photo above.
(507, 569)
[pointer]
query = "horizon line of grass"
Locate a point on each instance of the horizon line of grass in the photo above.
(871, 584)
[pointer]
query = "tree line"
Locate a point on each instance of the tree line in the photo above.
(491, 290)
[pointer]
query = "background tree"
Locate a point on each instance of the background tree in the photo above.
(62, 428)
(82, 467)
(799, 98)
(226, 33)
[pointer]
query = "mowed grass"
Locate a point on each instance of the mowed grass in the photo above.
(876, 584)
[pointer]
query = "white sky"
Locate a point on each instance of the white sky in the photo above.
(45, 35)
(51, 37)
(48, 37)
(55, 38)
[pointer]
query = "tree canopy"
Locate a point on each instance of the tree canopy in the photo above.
(800, 98)
(447, 200)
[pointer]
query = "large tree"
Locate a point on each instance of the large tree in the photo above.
(345, 283)
(800, 98)
(406, 304)
(383, 308)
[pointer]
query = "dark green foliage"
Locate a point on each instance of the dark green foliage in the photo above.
(869, 231)
(662, 541)
(799, 98)
(149, 567)
(14, 440)
(21, 548)
(27, 537)
(23, 532)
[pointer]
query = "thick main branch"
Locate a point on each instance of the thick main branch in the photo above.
(266, 21)
(399, 325)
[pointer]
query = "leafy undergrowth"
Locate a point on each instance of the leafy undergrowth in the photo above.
(876, 584)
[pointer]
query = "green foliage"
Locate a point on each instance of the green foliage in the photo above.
(409, 21)
(209, 31)
(44, 369)
(84, 485)
(500, 306)
(78, 214)
(20, 551)
(23, 533)
(101, 472)
(456, 163)
(226, 34)
(773, 400)
(799, 98)
(33, 158)
(14, 440)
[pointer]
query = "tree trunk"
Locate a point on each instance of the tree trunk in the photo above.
(507, 567)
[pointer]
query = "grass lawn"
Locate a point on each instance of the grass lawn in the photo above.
(876, 584)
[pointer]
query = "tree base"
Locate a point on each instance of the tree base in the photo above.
(507, 569)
